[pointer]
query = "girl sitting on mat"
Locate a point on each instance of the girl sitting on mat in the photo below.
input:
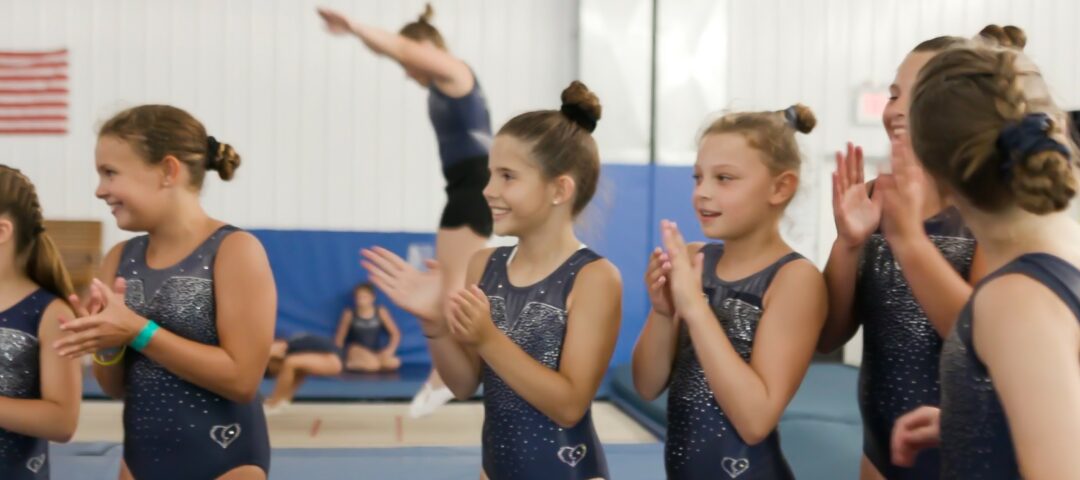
(295, 359)
(360, 330)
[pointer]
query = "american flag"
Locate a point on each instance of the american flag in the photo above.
(33, 92)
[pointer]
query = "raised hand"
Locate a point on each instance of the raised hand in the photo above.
(336, 23)
(856, 214)
(903, 195)
(685, 275)
(419, 293)
(658, 285)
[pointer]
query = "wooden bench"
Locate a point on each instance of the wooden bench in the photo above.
(80, 248)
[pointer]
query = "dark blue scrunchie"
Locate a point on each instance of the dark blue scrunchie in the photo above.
(1025, 138)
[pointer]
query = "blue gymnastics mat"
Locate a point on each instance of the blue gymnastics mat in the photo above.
(101, 461)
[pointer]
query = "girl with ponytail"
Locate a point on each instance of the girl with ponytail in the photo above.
(39, 389)
(985, 126)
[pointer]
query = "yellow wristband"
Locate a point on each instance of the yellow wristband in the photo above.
(112, 361)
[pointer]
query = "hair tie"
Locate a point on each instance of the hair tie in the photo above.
(212, 149)
(579, 116)
(1031, 135)
(791, 116)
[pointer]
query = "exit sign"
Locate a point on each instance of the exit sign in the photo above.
(870, 105)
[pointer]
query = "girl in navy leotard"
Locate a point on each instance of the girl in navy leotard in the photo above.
(360, 331)
(732, 358)
(984, 125)
(902, 267)
(458, 111)
(538, 323)
(39, 389)
(191, 309)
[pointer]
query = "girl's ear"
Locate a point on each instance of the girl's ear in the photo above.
(784, 187)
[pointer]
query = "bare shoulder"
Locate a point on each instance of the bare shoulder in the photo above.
(1003, 300)
(601, 274)
(799, 278)
(58, 308)
(241, 241)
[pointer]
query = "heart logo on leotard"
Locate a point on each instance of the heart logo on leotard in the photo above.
(735, 466)
(35, 463)
(225, 434)
(573, 455)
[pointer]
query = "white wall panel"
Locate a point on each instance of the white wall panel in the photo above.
(773, 53)
(724, 55)
(331, 136)
(616, 56)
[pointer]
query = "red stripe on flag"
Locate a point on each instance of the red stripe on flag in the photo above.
(3, 54)
(33, 131)
(32, 91)
(31, 118)
(33, 104)
(23, 66)
(32, 78)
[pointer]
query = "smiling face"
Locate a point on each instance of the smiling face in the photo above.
(520, 196)
(136, 191)
(734, 188)
(895, 116)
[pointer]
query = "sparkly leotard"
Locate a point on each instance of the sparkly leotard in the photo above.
(975, 439)
(22, 457)
(174, 429)
(901, 349)
(520, 442)
(701, 442)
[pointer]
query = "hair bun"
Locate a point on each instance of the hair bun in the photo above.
(581, 105)
(800, 118)
(1009, 36)
(222, 158)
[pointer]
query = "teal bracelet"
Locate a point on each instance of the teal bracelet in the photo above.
(143, 338)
